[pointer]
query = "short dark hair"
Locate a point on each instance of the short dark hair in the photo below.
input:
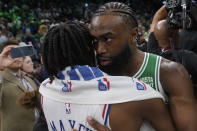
(6, 43)
(119, 9)
(67, 44)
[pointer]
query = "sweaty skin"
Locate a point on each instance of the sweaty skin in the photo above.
(110, 34)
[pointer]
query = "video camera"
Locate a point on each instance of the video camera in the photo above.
(182, 14)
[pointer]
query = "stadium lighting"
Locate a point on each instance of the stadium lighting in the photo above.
(86, 4)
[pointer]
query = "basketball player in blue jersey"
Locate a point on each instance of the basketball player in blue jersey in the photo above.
(77, 88)
(114, 28)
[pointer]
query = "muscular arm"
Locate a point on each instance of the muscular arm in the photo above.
(161, 14)
(125, 117)
(129, 116)
(156, 112)
(176, 82)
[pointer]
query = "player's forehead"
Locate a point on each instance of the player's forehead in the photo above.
(106, 23)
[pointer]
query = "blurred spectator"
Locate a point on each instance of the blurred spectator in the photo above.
(13, 83)
(10, 36)
(188, 53)
(29, 39)
(38, 72)
(186, 42)
(33, 70)
(19, 35)
(28, 68)
(141, 42)
(30, 22)
(27, 65)
(41, 33)
(3, 37)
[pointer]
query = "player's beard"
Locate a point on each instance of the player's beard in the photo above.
(119, 62)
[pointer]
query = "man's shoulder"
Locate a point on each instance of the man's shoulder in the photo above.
(171, 67)
(174, 77)
(7, 75)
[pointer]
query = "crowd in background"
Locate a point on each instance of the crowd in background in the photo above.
(28, 22)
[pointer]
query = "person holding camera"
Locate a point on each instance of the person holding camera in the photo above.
(163, 41)
(184, 50)
(13, 83)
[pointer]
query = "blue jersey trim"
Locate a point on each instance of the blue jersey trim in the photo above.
(86, 73)
(107, 115)
(73, 75)
(97, 72)
(61, 75)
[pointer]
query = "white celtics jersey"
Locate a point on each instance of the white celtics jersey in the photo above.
(86, 91)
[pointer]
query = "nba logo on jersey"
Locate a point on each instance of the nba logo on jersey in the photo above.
(44, 84)
(140, 86)
(103, 84)
(67, 86)
(68, 110)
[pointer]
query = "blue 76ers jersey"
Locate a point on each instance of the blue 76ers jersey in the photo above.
(73, 116)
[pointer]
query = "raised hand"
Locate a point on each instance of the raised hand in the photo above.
(5, 58)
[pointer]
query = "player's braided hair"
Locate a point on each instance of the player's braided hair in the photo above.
(67, 44)
(117, 8)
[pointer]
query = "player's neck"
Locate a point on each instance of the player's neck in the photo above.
(134, 64)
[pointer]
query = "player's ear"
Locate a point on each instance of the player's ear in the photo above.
(134, 33)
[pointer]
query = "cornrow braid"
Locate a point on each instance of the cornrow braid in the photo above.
(67, 44)
(119, 9)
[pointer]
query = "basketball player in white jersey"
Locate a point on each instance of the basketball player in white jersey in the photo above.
(76, 88)
(114, 28)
